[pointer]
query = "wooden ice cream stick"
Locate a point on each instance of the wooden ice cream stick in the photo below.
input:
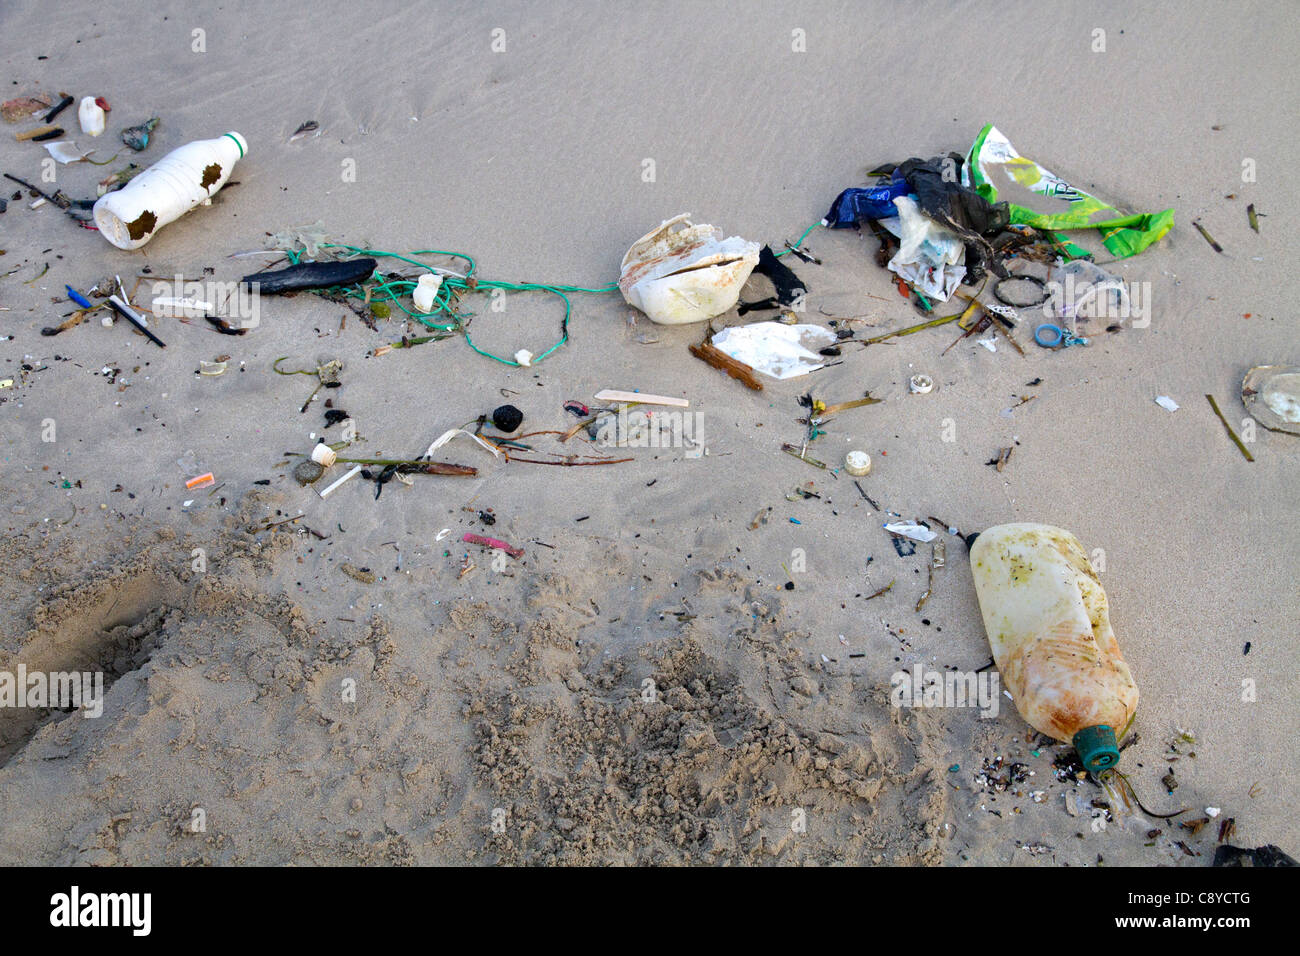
(614, 395)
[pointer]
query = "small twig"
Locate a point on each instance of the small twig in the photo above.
(1231, 434)
(276, 524)
(797, 453)
(1208, 238)
(870, 501)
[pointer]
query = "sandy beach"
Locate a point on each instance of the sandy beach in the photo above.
(298, 680)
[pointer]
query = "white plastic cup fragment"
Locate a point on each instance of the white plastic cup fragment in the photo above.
(426, 292)
(913, 530)
(91, 116)
(323, 454)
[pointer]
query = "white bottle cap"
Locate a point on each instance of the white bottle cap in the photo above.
(857, 463)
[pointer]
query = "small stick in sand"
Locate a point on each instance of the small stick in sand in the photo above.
(71, 322)
(1231, 434)
(707, 352)
(929, 589)
(1000, 462)
(822, 409)
(43, 195)
(932, 323)
(979, 326)
(1208, 238)
(798, 453)
(416, 466)
(877, 594)
(866, 496)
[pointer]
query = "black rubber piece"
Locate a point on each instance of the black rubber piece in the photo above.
(997, 294)
(507, 418)
(311, 275)
(58, 108)
(788, 285)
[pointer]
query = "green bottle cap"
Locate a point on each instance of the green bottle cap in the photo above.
(1097, 748)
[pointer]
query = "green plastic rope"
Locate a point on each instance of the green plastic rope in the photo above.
(799, 241)
(393, 291)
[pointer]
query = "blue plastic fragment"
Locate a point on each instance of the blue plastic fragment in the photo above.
(78, 298)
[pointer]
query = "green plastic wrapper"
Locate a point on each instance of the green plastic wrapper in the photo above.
(1039, 198)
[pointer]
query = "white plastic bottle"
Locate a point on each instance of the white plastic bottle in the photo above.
(426, 291)
(1048, 624)
(91, 116)
(167, 190)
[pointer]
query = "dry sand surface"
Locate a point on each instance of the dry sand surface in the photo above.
(515, 697)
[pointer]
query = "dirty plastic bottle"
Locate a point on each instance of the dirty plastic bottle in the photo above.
(1048, 624)
(171, 187)
(91, 116)
(426, 290)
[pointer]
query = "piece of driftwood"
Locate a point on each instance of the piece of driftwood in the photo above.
(719, 359)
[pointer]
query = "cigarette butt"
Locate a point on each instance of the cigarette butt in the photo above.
(202, 481)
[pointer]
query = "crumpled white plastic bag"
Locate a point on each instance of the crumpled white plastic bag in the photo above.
(782, 351)
(929, 257)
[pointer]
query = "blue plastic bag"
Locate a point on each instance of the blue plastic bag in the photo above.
(853, 205)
